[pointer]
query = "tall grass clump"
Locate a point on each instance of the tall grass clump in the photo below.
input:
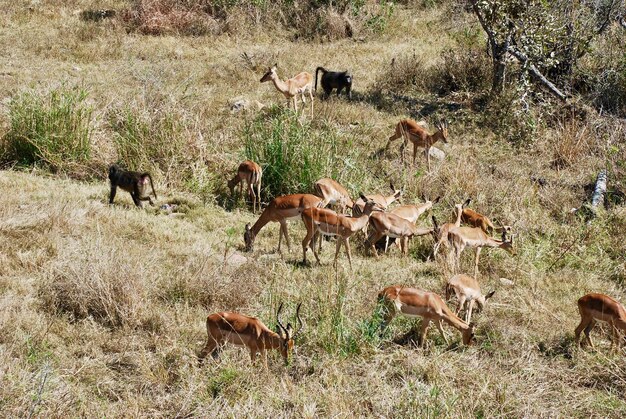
(294, 155)
(53, 129)
(153, 141)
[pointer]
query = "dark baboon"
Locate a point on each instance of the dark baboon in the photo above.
(334, 80)
(133, 182)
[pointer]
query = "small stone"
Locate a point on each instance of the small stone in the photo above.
(506, 282)
(236, 260)
(437, 153)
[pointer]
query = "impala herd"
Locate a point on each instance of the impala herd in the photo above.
(374, 215)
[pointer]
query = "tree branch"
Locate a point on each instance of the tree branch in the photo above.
(535, 72)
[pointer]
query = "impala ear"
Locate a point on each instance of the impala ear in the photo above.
(488, 296)
(467, 202)
(363, 197)
(247, 227)
(391, 186)
(436, 200)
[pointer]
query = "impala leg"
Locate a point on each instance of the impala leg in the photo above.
(427, 154)
(590, 326)
(251, 196)
(478, 249)
(258, 194)
(461, 305)
(295, 104)
(614, 337)
(346, 243)
(337, 249)
(414, 152)
(305, 244)
(422, 338)
(312, 100)
(439, 325)
(312, 245)
(264, 356)
(253, 355)
(209, 348)
(468, 315)
(375, 237)
(584, 322)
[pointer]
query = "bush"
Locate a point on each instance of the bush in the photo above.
(461, 70)
(152, 141)
(53, 129)
(294, 155)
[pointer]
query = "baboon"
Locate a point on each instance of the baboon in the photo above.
(134, 183)
(334, 80)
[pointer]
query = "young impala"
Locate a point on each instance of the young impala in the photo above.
(333, 193)
(390, 225)
(430, 306)
(300, 84)
(250, 332)
(329, 223)
(251, 173)
(413, 212)
(382, 201)
(594, 307)
(468, 291)
(410, 130)
(474, 219)
(461, 237)
(441, 232)
(280, 209)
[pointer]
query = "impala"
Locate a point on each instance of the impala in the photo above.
(594, 307)
(412, 131)
(430, 306)
(250, 332)
(300, 84)
(413, 212)
(280, 209)
(329, 223)
(391, 225)
(382, 201)
(251, 173)
(461, 237)
(333, 193)
(474, 219)
(441, 233)
(468, 291)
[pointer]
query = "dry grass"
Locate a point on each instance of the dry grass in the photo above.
(102, 309)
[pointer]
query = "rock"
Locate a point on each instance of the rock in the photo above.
(437, 153)
(239, 105)
(169, 208)
(506, 282)
(236, 260)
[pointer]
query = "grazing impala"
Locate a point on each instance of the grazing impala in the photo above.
(300, 84)
(251, 173)
(250, 332)
(390, 225)
(382, 201)
(441, 233)
(412, 131)
(333, 193)
(474, 219)
(468, 291)
(430, 306)
(280, 209)
(461, 237)
(329, 223)
(594, 307)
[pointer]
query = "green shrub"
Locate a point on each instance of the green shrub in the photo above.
(52, 129)
(152, 141)
(294, 155)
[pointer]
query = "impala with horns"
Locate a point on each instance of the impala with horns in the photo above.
(300, 84)
(332, 192)
(410, 130)
(250, 173)
(461, 237)
(390, 225)
(381, 201)
(250, 332)
(474, 219)
(600, 307)
(468, 291)
(412, 302)
(329, 223)
(279, 210)
(441, 232)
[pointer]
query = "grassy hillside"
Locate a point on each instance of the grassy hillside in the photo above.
(102, 309)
